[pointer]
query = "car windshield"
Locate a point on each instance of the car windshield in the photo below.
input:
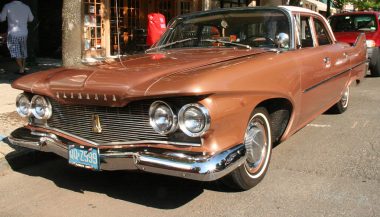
(353, 23)
(241, 29)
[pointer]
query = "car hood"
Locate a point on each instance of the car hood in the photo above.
(117, 83)
(350, 37)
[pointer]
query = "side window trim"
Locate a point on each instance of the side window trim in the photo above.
(298, 22)
(312, 29)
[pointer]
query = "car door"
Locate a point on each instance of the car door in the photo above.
(315, 66)
(339, 71)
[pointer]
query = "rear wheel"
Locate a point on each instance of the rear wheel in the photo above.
(342, 105)
(258, 144)
(375, 69)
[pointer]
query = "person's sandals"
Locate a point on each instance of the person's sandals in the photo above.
(20, 73)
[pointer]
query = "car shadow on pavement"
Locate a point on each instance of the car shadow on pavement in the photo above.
(157, 191)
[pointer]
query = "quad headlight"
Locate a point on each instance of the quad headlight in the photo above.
(194, 119)
(23, 105)
(162, 118)
(41, 107)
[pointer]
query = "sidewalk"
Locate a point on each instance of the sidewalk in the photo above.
(9, 119)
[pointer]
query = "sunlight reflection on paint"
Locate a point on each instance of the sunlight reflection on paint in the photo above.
(197, 90)
(208, 100)
(214, 146)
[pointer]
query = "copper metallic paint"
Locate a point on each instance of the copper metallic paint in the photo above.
(236, 80)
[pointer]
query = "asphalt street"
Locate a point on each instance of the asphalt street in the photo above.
(329, 168)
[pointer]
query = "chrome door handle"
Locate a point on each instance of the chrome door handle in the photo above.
(326, 60)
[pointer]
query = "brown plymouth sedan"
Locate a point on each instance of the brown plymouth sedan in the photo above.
(208, 101)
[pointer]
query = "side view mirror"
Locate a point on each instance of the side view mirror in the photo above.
(282, 40)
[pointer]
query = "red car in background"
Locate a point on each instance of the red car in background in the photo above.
(347, 27)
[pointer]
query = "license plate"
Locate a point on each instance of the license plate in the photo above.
(84, 157)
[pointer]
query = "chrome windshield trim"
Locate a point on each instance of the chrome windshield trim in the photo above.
(123, 143)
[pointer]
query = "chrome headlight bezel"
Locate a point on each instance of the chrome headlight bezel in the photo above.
(206, 116)
(18, 109)
(45, 104)
(173, 118)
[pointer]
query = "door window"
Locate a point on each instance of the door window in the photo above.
(321, 33)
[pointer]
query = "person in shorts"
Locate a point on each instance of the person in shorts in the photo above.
(18, 15)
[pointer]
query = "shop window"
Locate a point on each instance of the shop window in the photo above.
(127, 33)
(166, 7)
(92, 25)
(185, 7)
(233, 3)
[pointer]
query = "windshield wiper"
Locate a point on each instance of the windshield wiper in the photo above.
(170, 44)
(227, 42)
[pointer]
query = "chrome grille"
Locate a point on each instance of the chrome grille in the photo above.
(120, 125)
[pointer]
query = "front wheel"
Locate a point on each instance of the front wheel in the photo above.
(258, 144)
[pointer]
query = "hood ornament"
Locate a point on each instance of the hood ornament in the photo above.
(96, 124)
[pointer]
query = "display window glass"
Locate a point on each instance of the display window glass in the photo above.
(92, 25)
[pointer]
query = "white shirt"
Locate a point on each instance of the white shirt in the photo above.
(18, 15)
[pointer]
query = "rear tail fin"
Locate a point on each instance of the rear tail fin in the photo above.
(360, 40)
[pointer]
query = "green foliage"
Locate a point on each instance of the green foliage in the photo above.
(340, 3)
(295, 2)
(365, 4)
(360, 4)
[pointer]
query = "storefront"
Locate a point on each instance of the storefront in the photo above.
(119, 27)
(232, 3)
(113, 27)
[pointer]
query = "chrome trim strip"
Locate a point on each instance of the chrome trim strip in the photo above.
(71, 135)
(155, 142)
(124, 143)
(332, 77)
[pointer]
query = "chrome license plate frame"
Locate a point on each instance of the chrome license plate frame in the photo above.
(85, 157)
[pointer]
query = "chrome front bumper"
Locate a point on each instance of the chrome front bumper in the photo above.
(196, 167)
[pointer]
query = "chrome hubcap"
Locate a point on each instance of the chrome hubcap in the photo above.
(256, 144)
(345, 97)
